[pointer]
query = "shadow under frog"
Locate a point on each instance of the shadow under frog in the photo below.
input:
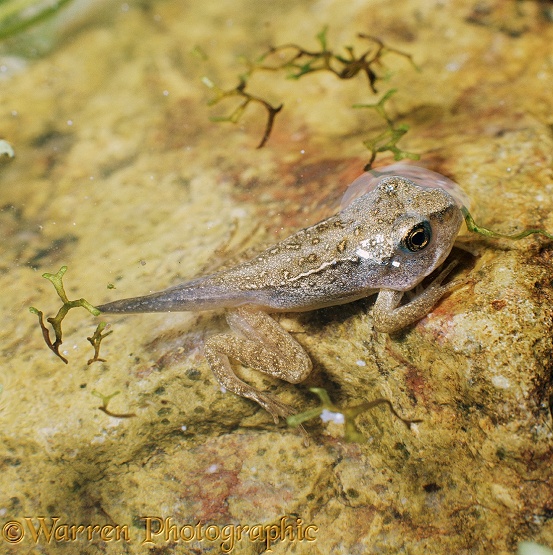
(390, 234)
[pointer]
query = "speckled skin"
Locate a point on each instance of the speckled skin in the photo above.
(387, 240)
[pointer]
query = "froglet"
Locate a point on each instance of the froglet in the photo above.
(391, 232)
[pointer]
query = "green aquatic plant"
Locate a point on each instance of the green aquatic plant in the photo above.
(18, 15)
(236, 114)
(56, 321)
(105, 401)
(475, 228)
(329, 411)
(386, 140)
(301, 62)
(96, 340)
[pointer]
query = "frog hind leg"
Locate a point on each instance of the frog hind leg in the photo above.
(258, 342)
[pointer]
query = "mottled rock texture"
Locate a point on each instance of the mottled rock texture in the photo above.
(120, 175)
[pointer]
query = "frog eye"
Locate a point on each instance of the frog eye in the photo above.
(418, 237)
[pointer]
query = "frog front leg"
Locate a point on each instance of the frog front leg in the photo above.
(258, 342)
(389, 317)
